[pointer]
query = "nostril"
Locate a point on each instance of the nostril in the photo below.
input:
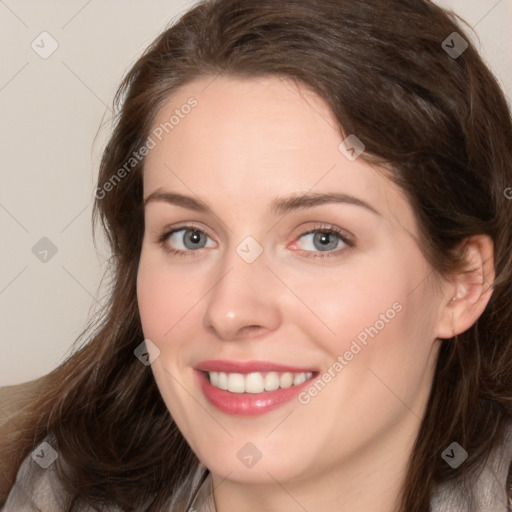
(251, 329)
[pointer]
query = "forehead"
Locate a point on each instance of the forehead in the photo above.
(248, 140)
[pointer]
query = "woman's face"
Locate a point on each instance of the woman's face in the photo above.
(354, 306)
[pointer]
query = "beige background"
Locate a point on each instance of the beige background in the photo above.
(51, 112)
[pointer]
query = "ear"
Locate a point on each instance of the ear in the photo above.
(468, 293)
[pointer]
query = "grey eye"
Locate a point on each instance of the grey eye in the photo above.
(322, 241)
(189, 239)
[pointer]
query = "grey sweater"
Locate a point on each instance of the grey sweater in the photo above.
(38, 489)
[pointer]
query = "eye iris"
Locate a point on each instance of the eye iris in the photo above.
(195, 237)
(323, 239)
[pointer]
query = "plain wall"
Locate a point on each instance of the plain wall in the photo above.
(51, 112)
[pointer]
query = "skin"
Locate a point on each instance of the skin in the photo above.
(247, 142)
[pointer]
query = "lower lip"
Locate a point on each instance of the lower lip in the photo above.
(248, 404)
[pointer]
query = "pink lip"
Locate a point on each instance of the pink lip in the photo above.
(248, 367)
(247, 404)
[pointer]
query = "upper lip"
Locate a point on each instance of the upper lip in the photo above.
(248, 367)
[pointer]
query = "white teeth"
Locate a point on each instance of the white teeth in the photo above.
(299, 378)
(236, 383)
(286, 380)
(223, 380)
(214, 379)
(256, 382)
(271, 381)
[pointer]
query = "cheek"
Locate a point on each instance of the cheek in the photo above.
(381, 352)
(368, 295)
(151, 298)
(343, 303)
(379, 318)
(164, 297)
(162, 309)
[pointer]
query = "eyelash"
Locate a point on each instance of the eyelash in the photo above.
(165, 234)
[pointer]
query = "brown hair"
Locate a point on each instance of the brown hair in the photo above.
(441, 127)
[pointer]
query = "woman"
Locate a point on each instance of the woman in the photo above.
(306, 203)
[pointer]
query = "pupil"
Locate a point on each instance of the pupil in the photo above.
(194, 238)
(324, 240)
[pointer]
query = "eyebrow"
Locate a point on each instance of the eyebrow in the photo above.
(280, 205)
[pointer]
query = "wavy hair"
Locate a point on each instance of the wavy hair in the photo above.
(439, 126)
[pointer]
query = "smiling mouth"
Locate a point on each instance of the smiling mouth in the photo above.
(256, 382)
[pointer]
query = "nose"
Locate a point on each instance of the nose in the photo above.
(244, 300)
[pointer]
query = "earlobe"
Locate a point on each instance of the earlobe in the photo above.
(473, 288)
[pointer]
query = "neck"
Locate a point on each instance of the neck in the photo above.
(371, 479)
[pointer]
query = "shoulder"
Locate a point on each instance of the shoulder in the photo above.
(38, 486)
(15, 404)
(489, 490)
